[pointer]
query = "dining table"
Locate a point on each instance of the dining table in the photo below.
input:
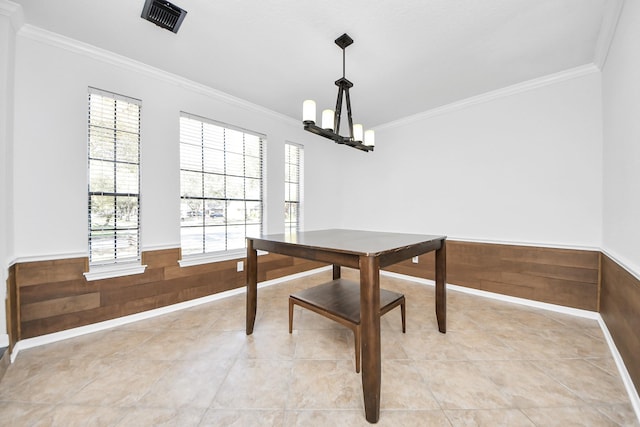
(367, 251)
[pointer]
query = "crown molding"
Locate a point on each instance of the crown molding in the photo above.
(607, 32)
(14, 12)
(528, 85)
(85, 49)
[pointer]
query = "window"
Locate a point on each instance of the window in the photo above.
(114, 179)
(220, 186)
(292, 187)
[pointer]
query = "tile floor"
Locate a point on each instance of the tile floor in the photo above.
(498, 365)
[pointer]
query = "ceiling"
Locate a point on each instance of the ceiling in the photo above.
(408, 56)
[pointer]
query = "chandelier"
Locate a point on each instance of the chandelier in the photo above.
(330, 128)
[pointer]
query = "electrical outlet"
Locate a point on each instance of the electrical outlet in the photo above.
(414, 260)
(240, 265)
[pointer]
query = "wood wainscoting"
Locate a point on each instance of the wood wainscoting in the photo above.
(51, 296)
(620, 310)
(567, 277)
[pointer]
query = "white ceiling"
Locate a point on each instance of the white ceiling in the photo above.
(409, 56)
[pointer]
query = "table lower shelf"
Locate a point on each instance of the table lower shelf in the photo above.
(340, 298)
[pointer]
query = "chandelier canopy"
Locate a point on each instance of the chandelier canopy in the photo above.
(330, 128)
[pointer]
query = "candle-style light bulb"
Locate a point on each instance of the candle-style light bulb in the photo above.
(357, 132)
(309, 111)
(370, 138)
(327, 119)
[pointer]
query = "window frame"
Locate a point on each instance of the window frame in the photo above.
(124, 265)
(188, 259)
(300, 187)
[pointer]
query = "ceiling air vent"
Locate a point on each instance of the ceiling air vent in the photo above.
(163, 14)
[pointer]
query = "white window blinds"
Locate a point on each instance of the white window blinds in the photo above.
(292, 187)
(114, 178)
(220, 186)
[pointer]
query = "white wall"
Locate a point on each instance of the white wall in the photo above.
(621, 100)
(7, 42)
(50, 164)
(522, 168)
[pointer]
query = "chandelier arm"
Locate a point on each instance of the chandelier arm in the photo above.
(338, 111)
(348, 99)
(329, 134)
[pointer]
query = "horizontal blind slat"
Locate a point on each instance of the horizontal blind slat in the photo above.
(114, 177)
(221, 172)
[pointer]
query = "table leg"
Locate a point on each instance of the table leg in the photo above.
(370, 327)
(441, 287)
(336, 272)
(252, 285)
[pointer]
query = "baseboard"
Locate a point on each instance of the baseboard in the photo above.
(622, 369)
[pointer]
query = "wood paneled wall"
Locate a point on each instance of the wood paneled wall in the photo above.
(557, 276)
(620, 310)
(51, 296)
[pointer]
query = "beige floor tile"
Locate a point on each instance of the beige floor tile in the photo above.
(526, 386)
(429, 344)
(324, 384)
(413, 418)
(325, 344)
(161, 417)
(267, 344)
(47, 380)
(255, 384)
(234, 319)
(577, 416)
(351, 418)
(310, 320)
(480, 345)
(273, 319)
(622, 414)
(23, 414)
(108, 343)
(188, 383)
(463, 320)
(333, 418)
(391, 345)
(243, 418)
(605, 363)
(199, 318)
(489, 418)
(218, 345)
(121, 382)
(461, 385)
(552, 344)
(592, 385)
(168, 345)
(404, 388)
(80, 416)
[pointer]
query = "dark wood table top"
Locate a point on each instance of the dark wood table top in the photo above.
(354, 242)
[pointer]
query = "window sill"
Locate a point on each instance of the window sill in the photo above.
(111, 271)
(192, 260)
